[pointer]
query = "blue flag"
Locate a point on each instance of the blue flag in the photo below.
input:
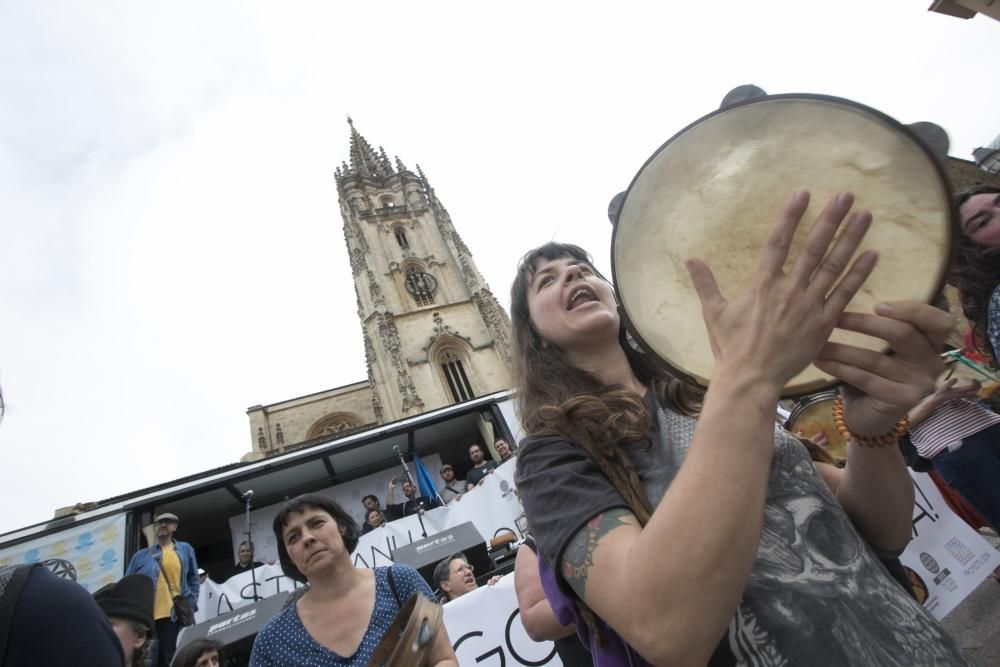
(424, 480)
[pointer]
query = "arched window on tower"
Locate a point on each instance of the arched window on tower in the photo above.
(454, 374)
(421, 286)
(401, 238)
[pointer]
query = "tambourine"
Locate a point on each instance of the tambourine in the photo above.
(813, 415)
(409, 639)
(715, 190)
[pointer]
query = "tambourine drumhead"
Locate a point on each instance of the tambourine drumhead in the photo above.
(716, 189)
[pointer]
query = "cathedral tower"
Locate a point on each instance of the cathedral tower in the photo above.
(434, 334)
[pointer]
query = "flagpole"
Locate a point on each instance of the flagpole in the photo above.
(402, 462)
(406, 471)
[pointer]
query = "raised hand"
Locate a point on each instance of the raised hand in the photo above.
(776, 328)
(882, 388)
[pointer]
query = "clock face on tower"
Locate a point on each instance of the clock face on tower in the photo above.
(421, 284)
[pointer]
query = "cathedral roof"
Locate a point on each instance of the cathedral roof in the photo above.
(365, 162)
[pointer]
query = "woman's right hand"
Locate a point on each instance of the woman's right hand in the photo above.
(773, 330)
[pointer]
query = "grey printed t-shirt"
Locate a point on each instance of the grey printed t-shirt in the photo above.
(816, 596)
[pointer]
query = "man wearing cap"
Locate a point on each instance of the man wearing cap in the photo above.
(128, 604)
(177, 561)
(453, 488)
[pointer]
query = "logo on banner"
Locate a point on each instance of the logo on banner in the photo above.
(957, 550)
(928, 561)
(435, 543)
(232, 622)
(505, 489)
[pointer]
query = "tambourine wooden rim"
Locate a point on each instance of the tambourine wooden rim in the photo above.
(410, 637)
(948, 208)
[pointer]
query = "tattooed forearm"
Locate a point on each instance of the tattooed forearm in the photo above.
(578, 559)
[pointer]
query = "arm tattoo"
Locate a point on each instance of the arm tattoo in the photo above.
(578, 559)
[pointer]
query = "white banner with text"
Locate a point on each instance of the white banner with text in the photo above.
(946, 559)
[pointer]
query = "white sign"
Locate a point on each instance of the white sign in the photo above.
(215, 598)
(94, 550)
(485, 628)
(946, 559)
(493, 507)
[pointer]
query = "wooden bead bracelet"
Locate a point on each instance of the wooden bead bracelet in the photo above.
(890, 438)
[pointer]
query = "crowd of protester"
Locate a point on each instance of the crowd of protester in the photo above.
(660, 534)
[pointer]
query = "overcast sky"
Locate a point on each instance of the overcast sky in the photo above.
(172, 250)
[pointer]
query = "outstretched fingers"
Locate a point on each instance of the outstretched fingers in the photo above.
(705, 285)
(839, 258)
(776, 249)
(870, 382)
(915, 337)
(817, 244)
(850, 283)
(935, 324)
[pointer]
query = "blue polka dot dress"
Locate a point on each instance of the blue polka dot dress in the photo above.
(285, 641)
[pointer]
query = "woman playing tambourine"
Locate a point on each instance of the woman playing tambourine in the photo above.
(678, 531)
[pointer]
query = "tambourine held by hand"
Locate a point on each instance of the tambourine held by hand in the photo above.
(715, 190)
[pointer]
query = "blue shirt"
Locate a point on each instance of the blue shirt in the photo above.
(285, 641)
(144, 562)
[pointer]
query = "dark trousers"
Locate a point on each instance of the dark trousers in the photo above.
(974, 471)
(166, 642)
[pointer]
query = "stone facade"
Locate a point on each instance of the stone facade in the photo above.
(278, 427)
(434, 334)
(964, 174)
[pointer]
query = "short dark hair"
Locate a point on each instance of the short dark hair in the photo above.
(246, 543)
(188, 655)
(373, 497)
(299, 505)
(476, 444)
(966, 195)
(443, 569)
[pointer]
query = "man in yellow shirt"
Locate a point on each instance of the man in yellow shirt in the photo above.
(181, 568)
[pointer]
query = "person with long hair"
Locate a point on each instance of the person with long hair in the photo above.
(345, 611)
(682, 529)
(200, 653)
(975, 269)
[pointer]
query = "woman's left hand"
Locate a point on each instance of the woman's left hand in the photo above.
(883, 387)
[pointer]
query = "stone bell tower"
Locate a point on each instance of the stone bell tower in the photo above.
(434, 333)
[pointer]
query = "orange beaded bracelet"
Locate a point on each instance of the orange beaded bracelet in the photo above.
(890, 438)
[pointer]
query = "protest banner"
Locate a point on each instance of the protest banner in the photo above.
(91, 554)
(946, 559)
(485, 627)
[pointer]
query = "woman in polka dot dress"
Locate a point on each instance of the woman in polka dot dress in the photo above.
(346, 610)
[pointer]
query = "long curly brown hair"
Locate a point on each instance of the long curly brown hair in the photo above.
(554, 397)
(975, 271)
